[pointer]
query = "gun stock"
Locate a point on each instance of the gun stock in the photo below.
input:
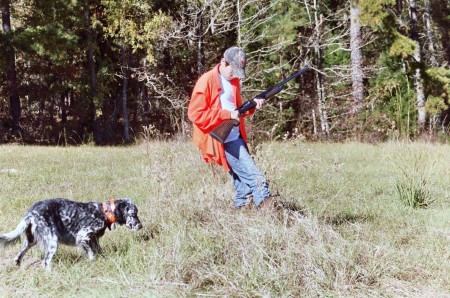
(221, 132)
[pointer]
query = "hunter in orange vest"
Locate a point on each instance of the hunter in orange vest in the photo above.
(214, 99)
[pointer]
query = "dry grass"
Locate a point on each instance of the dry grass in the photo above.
(343, 232)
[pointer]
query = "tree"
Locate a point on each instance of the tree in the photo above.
(50, 59)
(390, 55)
(105, 68)
(418, 76)
(356, 56)
(272, 33)
(134, 27)
(12, 90)
(92, 73)
(321, 104)
(429, 34)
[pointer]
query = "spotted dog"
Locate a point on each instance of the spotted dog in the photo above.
(54, 221)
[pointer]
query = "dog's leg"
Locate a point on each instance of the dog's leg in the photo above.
(96, 246)
(51, 246)
(28, 242)
(84, 241)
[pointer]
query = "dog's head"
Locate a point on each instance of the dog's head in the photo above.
(127, 213)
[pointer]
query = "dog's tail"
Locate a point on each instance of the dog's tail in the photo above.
(11, 237)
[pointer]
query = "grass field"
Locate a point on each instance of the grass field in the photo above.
(343, 232)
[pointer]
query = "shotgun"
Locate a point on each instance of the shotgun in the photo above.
(221, 132)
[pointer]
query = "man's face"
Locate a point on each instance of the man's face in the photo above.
(226, 70)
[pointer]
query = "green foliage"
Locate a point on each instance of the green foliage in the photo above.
(402, 46)
(441, 75)
(51, 41)
(393, 97)
(440, 81)
(132, 22)
(286, 17)
(435, 105)
(334, 55)
(375, 12)
(291, 16)
(275, 47)
(51, 32)
(438, 89)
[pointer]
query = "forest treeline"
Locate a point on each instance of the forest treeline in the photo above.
(108, 71)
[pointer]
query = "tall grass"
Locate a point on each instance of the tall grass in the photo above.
(416, 170)
(342, 232)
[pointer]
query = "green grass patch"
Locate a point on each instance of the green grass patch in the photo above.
(416, 170)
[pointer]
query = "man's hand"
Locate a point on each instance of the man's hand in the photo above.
(235, 115)
(259, 102)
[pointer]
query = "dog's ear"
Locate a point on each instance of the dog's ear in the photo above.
(120, 204)
(121, 210)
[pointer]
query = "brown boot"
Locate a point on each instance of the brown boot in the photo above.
(267, 205)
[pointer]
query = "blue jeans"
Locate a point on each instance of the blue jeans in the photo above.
(247, 178)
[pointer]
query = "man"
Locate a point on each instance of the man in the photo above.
(214, 99)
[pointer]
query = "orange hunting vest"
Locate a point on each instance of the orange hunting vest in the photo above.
(205, 111)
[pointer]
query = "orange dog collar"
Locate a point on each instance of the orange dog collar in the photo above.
(109, 210)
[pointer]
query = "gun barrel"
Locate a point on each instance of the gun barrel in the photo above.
(306, 68)
(221, 132)
(250, 104)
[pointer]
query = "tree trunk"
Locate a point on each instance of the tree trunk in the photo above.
(418, 80)
(63, 105)
(136, 91)
(321, 106)
(429, 32)
(125, 75)
(200, 51)
(11, 75)
(356, 57)
(434, 122)
(91, 41)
